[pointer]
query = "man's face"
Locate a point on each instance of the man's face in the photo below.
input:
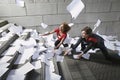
(84, 35)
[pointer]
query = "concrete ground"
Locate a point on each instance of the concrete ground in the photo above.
(97, 68)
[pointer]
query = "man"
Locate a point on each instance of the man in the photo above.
(89, 41)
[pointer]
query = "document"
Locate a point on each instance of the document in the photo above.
(55, 76)
(86, 56)
(97, 24)
(44, 26)
(75, 7)
(71, 24)
(20, 3)
(25, 68)
(37, 64)
(2, 71)
(5, 58)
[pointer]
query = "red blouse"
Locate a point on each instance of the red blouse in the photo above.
(60, 36)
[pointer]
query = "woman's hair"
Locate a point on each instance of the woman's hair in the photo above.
(66, 27)
(88, 30)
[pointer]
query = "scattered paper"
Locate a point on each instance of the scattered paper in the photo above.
(25, 68)
(4, 64)
(37, 64)
(2, 71)
(5, 58)
(86, 56)
(52, 69)
(59, 58)
(44, 25)
(75, 7)
(16, 29)
(14, 75)
(55, 76)
(11, 51)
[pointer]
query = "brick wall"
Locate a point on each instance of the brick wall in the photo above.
(53, 13)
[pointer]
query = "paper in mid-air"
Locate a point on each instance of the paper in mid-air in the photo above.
(75, 7)
(44, 25)
(20, 3)
(97, 24)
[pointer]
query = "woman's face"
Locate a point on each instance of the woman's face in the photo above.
(84, 35)
(61, 27)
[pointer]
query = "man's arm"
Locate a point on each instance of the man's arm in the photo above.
(91, 44)
(77, 43)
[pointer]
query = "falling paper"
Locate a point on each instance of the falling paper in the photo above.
(20, 3)
(44, 25)
(75, 7)
(71, 24)
(97, 24)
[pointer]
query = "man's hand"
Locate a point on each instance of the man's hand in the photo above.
(80, 55)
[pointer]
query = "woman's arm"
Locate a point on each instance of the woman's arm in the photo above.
(48, 33)
(60, 43)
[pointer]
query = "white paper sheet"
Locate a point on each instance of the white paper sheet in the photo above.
(76, 56)
(5, 58)
(55, 76)
(16, 77)
(42, 48)
(11, 50)
(75, 7)
(97, 24)
(86, 56)
(26, 68)
(49, 55)
(44, 59)
(59, 58)
(44, 26)
(3, 34)
(37, 64)
(36, 54)
(71, 24)
(28, 52)
(4, 64)
(52, 69)
(2, 71)
(35, 35)
(29, 43)
(16, 29)
(20, 3)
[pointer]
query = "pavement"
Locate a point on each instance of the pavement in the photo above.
(96, 68)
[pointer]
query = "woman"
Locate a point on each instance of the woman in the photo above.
(61, 32)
